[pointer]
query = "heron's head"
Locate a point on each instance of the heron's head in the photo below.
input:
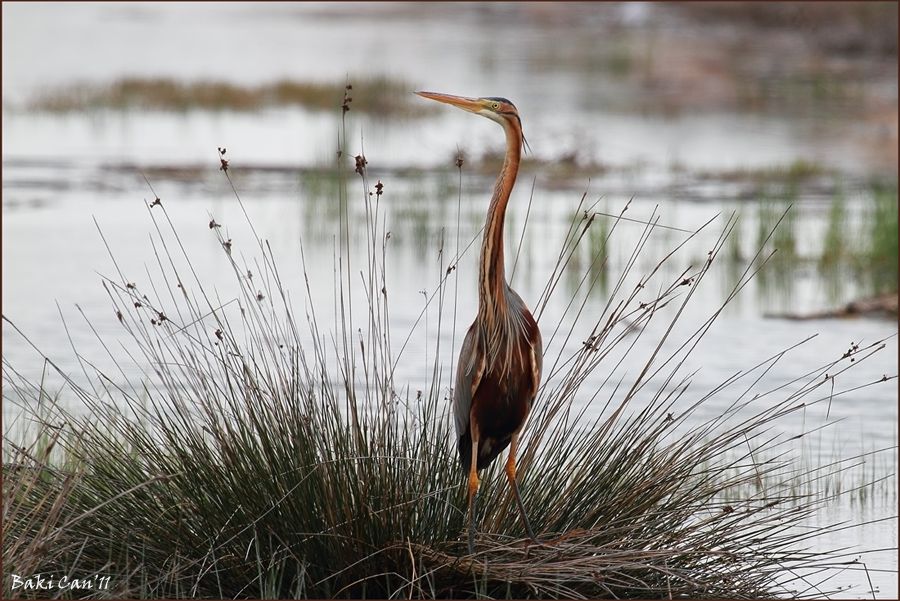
(494, 108)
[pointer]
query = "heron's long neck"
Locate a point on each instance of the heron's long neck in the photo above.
(492, 275)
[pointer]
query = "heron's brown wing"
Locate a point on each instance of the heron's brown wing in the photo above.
(532, 335)
(537, 353)
(469, 370)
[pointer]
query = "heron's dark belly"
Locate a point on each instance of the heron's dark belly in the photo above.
(500, 407)
(500, 410)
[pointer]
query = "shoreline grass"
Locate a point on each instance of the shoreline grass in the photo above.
(378, 95)
(264, 455)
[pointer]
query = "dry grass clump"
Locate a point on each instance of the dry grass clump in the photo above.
(262, 456)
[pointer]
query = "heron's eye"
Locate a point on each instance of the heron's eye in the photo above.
(495, 105)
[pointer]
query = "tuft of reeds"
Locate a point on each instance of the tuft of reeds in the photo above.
(883, 249)
(260, 455)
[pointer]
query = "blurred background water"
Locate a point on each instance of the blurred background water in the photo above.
(691, 110)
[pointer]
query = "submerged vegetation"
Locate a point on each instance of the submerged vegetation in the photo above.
(857, 249)
(882, 249)
(377, 95)
(264, 456)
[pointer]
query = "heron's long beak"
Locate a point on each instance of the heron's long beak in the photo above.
(469, 104)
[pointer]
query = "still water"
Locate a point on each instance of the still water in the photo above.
(66, 174)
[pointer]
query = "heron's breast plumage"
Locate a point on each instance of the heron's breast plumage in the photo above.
(503, 395)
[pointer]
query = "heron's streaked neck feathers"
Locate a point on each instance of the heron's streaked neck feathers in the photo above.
(492, 274)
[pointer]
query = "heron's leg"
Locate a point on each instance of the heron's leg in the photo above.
(511, 476)
(473, 491)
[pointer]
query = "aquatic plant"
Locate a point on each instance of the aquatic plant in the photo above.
(883, 250)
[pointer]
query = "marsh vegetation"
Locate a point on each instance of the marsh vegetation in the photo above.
(379, 96)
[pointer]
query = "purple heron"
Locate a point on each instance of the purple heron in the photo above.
(500, 362)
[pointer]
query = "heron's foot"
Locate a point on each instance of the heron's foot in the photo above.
(555, 542)
(532, 541)
(545, 543)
